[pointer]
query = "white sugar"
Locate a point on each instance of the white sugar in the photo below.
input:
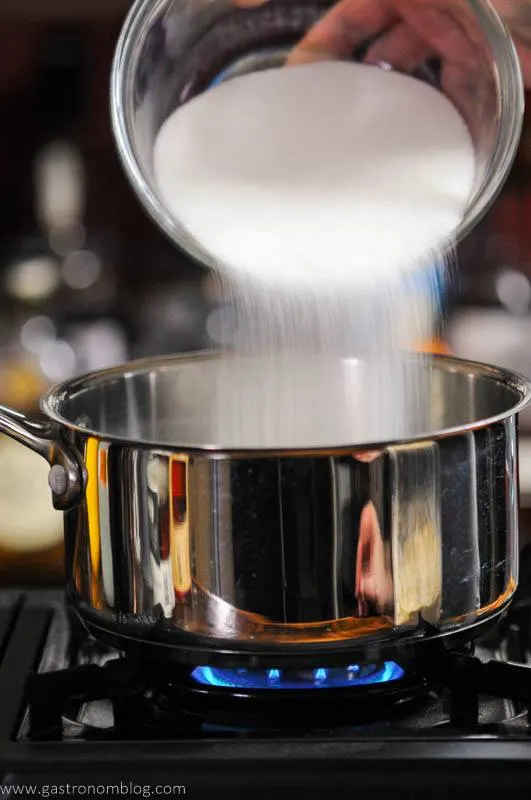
(322, 193)
(329, 172)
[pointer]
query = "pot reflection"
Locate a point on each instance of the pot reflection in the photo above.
(292, 550)
(374, 580)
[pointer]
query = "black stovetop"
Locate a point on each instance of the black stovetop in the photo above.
(74, 713)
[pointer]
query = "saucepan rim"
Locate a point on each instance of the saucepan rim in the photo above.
(55, 398)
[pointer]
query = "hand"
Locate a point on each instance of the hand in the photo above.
(406, 32)
(411, 31)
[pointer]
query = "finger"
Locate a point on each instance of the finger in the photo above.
(401, 47)
(448, 32)
(517, 15)
(346, 26)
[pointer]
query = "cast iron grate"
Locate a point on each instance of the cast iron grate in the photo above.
(471, 731)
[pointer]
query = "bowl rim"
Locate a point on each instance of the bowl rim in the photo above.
(133, 32)
(511, 99)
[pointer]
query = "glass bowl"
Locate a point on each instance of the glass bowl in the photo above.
(169, 51)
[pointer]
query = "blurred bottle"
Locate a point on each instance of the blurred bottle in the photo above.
(30, 529)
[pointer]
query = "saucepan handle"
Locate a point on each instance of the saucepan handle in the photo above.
(67, 478)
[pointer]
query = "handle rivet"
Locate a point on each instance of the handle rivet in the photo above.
(58, 480)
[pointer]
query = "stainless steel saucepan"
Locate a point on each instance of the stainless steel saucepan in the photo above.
(210, 551)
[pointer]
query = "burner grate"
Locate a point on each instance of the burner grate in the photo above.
(68, 701)
(95, 693)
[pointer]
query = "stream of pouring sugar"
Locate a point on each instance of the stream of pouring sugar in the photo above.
(323, 193)
(326, 370)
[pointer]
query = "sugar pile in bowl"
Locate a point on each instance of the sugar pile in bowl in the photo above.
(324, 193)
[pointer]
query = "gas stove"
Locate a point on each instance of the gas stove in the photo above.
(75, 713)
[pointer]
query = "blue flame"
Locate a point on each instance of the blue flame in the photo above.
(321, 678)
